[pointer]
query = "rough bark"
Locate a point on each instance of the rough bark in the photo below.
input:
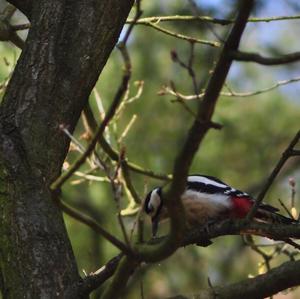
(67, 47)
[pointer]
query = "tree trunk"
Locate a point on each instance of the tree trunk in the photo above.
(66, 49)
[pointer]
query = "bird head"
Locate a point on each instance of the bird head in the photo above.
(153, 206)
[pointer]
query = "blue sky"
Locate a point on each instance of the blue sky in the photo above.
(261, 37)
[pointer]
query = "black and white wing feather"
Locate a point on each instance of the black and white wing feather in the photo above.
(211, 185)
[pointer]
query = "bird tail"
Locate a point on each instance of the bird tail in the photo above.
(273, 217)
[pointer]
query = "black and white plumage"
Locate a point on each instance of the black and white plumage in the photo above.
(209, 199)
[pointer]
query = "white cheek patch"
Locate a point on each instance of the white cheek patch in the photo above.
(154, 202)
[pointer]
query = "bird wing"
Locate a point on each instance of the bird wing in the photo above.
(212, 185)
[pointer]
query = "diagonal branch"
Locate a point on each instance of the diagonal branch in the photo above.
(200, 236)
(262, 286)
(113, 154)
(232, 93)
(95, 279)
(256, 57)
(167, 90)
(182, 18)
(182, 36)
(194, 138)
(94, 226)
(289, 152)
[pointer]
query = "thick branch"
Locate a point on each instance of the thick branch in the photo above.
(256, 57)
(262, 286)
(96, 279)
(200, 236)
(124, 271)
(61, 69)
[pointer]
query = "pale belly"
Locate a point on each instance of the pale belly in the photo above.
(201, 213)
(201, 209)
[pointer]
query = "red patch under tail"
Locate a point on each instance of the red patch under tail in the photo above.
(241, 206)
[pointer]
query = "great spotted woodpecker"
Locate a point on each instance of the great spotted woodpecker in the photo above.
(207, 199)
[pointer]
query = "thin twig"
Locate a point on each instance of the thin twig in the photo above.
(166, 90)
(258, 58)
(257, 92)
(197, 12)
(292, 243)
(90, 177)
(183, 103)
(128, 182)
(126, 101)
(94, 226)
(187, 66)
(116, 187)
(285, 208)
(266, 257)
(285, 156)
(113, 154)
(117, 99)
(127, 128)
(184, 37)
(183, 18)
(138, 13)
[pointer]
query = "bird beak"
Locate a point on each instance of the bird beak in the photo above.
(155, 221)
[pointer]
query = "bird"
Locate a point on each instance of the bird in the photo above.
(207, 199)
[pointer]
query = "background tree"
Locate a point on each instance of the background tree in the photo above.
(129, 135)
